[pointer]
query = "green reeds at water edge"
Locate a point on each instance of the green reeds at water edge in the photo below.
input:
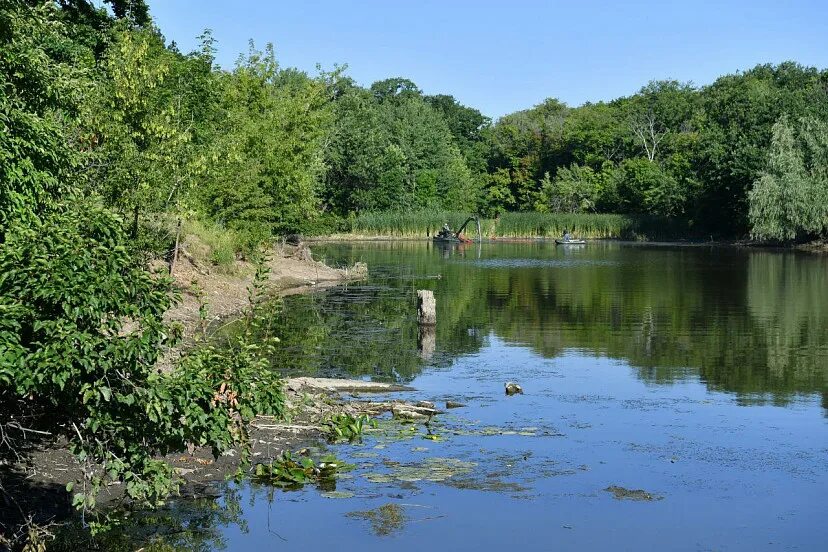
(421, 224)
(544, 225)
(412, 224)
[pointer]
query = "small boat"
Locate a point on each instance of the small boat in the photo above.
(450, 239)
(447, 235)
(570, 242)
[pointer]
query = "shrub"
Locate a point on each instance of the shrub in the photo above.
(81, 330)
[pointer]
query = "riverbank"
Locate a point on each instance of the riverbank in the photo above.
(36, 485)
(210, 293)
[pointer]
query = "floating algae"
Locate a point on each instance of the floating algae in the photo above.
(621, 493)
(367, 454)
(385, 520)
(337, 494)
(432, 469)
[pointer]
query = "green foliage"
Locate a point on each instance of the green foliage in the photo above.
(790, 198)
(82, 330)
(409, 224)
(347, 427)
(39, 99)
(419, 224)
(289, 472)
(518, 225)
(393, 150)
(267, 157)
(81, 333)
(216, 391)
(642, 186)
(575, 189)
(219, 244)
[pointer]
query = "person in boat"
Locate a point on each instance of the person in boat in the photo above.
(445, 232)
(566, 235)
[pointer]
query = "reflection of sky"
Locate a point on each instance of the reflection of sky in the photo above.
(731, 477)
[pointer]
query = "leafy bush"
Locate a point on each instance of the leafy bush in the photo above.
(81, 331)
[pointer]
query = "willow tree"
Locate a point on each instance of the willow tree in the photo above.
(788, 200)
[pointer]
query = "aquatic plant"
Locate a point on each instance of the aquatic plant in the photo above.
(421, 224)
(347, 427)
(289, 472)
(385, 520)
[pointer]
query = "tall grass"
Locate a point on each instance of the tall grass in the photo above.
(543, 225)
(411, 224)
(421, 224)
(210, 243)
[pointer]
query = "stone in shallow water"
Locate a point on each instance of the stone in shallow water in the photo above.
(513, 389)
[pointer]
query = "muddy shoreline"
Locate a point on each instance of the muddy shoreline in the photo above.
(36, 485)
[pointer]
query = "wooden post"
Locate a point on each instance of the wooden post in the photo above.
(426, 308)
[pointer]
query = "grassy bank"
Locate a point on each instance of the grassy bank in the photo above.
(421, 224)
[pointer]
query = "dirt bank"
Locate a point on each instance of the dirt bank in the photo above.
(223, 291)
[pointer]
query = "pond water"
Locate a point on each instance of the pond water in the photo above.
(674, 398)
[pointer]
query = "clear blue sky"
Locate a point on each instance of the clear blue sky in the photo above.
(501, 56)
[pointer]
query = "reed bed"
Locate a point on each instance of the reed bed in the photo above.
(412, 224)
(545, 225)
(422, 224)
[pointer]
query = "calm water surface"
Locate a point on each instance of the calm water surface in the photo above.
(696, 374)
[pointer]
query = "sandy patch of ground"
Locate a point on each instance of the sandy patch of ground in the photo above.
(292, 269)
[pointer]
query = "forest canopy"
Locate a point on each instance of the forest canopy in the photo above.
(264, 150)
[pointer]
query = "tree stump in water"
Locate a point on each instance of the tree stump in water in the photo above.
(426, 307)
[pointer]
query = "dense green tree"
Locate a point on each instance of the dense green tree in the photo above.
(790, 197)
(390, 149)
(396, 88)
(575, 189)
(267, 151)
(738, 112)
(135, 11)
(40, 99)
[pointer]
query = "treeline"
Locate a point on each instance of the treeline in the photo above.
(261, 150)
